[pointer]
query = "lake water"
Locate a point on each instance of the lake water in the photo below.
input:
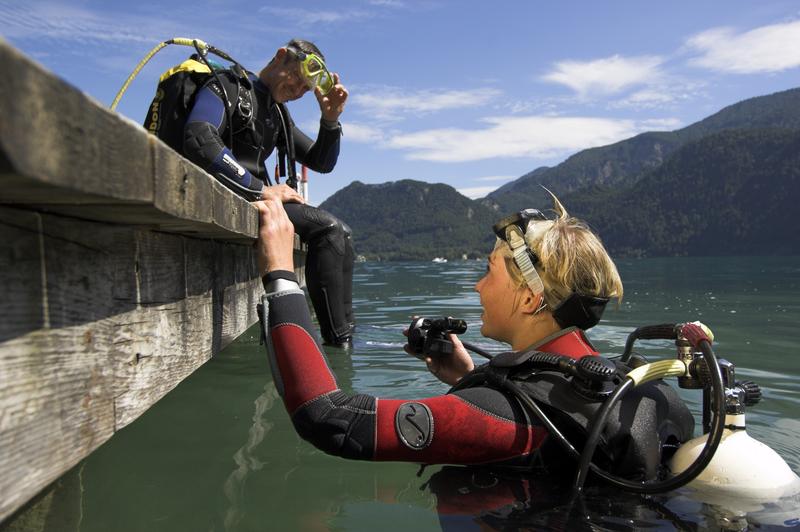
(219, 453)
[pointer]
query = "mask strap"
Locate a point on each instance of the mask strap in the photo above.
(522, 257)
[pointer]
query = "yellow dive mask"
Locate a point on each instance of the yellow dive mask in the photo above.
(313, 70)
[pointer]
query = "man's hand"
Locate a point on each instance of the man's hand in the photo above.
(332, 104)
(275, 237)
(282, 193)
(447, 368)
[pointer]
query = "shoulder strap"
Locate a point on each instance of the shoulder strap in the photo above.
(286, 153)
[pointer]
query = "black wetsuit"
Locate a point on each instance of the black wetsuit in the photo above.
(329, 262)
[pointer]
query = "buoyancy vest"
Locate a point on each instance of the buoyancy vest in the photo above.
(643, 430)
(176, 93)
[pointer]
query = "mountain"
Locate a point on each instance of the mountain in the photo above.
(727, 185)
(625, 162)
(412, 220)
(730, 193)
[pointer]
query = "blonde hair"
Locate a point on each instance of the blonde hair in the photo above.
(571, 259)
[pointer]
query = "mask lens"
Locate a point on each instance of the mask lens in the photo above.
(313, 65)
(324, 81)
(316, 74)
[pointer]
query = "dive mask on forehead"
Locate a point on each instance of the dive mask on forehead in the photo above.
(313, 70)
(577, 310)
(511, 230)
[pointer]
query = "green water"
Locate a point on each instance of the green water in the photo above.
(218, 453)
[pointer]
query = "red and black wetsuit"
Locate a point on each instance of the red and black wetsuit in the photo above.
(473, 426)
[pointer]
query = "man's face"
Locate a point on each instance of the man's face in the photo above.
(290, 84)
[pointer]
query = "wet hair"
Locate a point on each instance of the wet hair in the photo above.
(571, 259)
(306, 46)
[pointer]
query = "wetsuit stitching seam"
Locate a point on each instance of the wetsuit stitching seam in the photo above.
(326, 396)
(282, 293)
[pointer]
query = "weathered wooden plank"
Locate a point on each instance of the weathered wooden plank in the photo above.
(21, 274)
(129, 314)
(239, 309)
(56, 407)
(187, 193)
(239, 217)
(90, 270)
(182, 189)
(54, 134)
(155, 349)
(160, 267)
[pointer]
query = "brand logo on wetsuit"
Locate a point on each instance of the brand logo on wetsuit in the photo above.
(414, 424)
(155, 112)
(236, 167)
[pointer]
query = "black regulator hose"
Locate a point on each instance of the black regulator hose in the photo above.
(585, 458)
(597, 429)
(477, 350)
(696, 467)
(664, 331)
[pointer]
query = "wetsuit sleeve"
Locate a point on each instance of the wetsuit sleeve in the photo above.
(320, 155)
(203, 145)
(444, 429)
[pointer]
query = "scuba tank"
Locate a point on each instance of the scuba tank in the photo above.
(742, 466)
(725, 460)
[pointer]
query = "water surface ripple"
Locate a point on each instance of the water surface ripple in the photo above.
(219, 453)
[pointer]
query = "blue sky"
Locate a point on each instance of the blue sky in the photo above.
(472, 94)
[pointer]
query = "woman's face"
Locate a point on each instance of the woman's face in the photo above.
(498, 293)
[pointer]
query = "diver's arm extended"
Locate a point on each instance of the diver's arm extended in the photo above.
(471, 428)
(477, 426)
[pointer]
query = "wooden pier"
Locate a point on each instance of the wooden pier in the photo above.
(123, 268)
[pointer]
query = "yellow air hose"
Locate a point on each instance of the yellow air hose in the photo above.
(657, 370)
(177, 40)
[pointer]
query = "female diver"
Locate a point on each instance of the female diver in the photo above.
(547, 281)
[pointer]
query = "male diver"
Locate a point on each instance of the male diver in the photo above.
(236, 153)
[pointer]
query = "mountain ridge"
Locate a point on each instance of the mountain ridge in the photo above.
(742, 157)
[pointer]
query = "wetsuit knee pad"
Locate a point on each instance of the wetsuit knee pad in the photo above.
(339, 424)
(328, 227)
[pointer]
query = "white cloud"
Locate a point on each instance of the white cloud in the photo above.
(476, 192)
(310, 17)
(667, 92)
(389, 103)
(606, 76)
(74, 24)
(766, 49)
(536, 137)
(387, 3)
(356, 132)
